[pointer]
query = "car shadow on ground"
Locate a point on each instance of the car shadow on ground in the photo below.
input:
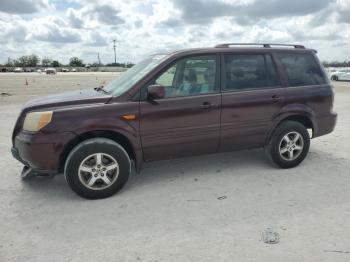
(163, 171)
(194, 167)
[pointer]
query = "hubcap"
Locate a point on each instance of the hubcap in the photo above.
(98, 171)
(291, 146)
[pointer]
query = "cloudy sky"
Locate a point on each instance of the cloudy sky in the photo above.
(60, 29)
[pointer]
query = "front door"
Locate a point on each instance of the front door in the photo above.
(251, 97)
(187, 120)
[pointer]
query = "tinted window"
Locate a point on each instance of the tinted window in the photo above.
(302, 69)
(189, 76)
(249, 72)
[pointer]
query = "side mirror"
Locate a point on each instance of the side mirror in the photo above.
(155, 92)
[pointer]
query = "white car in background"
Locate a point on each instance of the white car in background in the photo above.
(50, 71)
(18, 70)
(343, 74)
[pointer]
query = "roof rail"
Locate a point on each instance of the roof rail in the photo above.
(227, 45)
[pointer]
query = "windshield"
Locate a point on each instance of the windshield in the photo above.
(123, 83)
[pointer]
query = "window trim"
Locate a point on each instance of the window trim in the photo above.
(217, 87)
(264, 54)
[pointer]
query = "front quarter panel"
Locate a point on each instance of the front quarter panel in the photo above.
(98, 117)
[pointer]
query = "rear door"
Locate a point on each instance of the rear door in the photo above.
(187, 120)
(251, 96)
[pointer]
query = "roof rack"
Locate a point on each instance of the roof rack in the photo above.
(227, 45)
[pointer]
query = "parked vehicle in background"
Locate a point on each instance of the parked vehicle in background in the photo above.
(65, 70)
(189, 102)
(18, 70)
(50, 71)
(341, 75)
(74, 70)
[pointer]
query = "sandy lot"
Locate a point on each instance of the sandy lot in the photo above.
(208, 208)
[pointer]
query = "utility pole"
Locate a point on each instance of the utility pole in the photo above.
(115, 54)
(99, 59)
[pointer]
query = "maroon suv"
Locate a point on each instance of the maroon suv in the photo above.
(189, 102)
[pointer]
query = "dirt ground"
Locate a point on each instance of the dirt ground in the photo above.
(208, 208)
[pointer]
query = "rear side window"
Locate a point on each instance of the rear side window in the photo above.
(249, 72)
(302, 69)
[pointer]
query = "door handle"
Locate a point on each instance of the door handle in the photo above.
(207, 105)
(275, 98)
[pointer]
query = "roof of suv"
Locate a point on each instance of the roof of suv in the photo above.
(255, 47)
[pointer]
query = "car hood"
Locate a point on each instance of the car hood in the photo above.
(84, 96)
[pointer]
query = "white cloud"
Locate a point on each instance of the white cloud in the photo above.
(24, 6)
(61, 29)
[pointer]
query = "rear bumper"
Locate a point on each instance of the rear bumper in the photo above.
(41, 152)
(326, 124)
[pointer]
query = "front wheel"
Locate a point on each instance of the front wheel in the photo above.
(97, 168)
(289, 144)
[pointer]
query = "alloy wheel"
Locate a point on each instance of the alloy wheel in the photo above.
(291, 146)
(98, 171)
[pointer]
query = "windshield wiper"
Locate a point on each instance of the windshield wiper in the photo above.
(100, 88)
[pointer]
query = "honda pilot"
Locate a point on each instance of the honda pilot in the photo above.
(184, 103)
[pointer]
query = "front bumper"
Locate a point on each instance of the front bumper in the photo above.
(41, 152)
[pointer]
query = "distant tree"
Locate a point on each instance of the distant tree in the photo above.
(33, 60)
(75, 61)
(46, 61)
(16, 62)
(96, 64)
(55, 63)
(129, 65)
(336, 64)
(28, 61)
(22, 61)
(9, 62)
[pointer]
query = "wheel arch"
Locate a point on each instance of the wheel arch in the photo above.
(115, 136)
(303, 119)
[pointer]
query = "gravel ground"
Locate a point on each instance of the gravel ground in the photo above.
(208, 208)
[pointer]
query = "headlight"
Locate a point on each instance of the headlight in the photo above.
(35, 121)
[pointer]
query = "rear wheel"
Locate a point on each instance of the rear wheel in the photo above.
(335, 78)
(97, 168)
(289, 144)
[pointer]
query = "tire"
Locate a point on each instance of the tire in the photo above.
(93, 162)
(288, 154)
(335, 78)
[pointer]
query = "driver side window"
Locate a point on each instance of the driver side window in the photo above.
(166, 79)
(189, 76)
